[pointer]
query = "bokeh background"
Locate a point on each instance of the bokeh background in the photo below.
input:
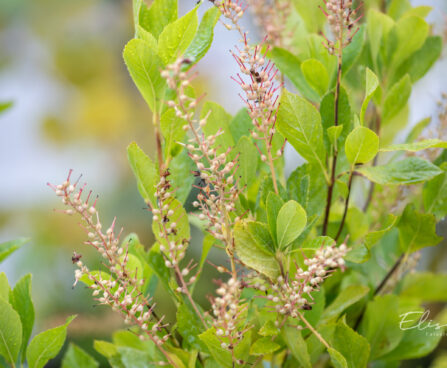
(75, 106)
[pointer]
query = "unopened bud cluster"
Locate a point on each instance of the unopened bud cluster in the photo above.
(229, 313)
(120, 290)
(288, 297)
(233, 10)
(341, 19)
(271, 15)
(217, 184)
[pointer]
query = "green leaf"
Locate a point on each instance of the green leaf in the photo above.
(247, 159)
(316, 75)
(269, 329)
(46, 345)
(177, 36)
(380, 325)
(378, 28)
(10, 332)
(144, 171)
(435, 194)
(222, 356)
(411, 33)
(290, 223)
(181, 178)
(415, 287)
(411, 170)
(333, 134)
(417, 130)
(9, 247)
(4, 287)
(289, 65)
(312, 16)
(307, 186)
(295, 342)
(353, 51)
(147, 37)
(347, 297)
(372, 83)
(418, 64)
(144, 67)
(204, 36)
(5, 106)
(20, 299)
(218, 119)
(398, 7)
(337, 359)
(373, 237)
(264, 346)
(240, 125)
(75, 357)
(417, 342)
(361, 145)
(396, 98)
(190, 327)
(273, 205)
(261, 234)
(252, 254)
(351, 345)
(158, 16)
(300, 123)
(416, 146)
(157, 263)
(417, 230)
(172, 130)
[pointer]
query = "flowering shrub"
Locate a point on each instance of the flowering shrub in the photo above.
(319, 265)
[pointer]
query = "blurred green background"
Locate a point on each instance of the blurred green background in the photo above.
(74, 106)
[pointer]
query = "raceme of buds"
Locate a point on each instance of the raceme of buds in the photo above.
(271, 17)
(217, 184)
(233, 10)
(288, 297)
(341, 19)
(229, 313)
(120, 290)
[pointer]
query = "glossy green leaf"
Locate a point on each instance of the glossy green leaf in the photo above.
(374, 237)
(398, 7)
(290, 223)
(177, 36)
(380, 325)
(248, 160)
(435, 194)
(10, 332)
(337, 359)
(189, 327)
(158, 16)
(416, 146)
(181, 167)
(75, 357)
(300, 123)
(264, 346)
(396, 98)
(351, 345)
(273, 206)
(345, 298)
(290, 66)
(222, 356)
(240, 125)
(172, 130)
(295, 342)
(20, 299)
(352, 52)
(218, 120)
(411, 170)
(334, 133)
(417, 230)
(378, 27)
(416, 131)
(418, 64)
(4, 287)
(144, 67)
(204, 36)
(312, 16)
(144, 171)
(372, 83)
(261, 234)
(415, 286)
(361, 145)
(46, 345)
(316, 75)
(411, 34)
(269, 329)
(252, 254)
(9, 247)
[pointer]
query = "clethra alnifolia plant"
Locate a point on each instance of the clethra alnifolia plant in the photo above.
(317, 265)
